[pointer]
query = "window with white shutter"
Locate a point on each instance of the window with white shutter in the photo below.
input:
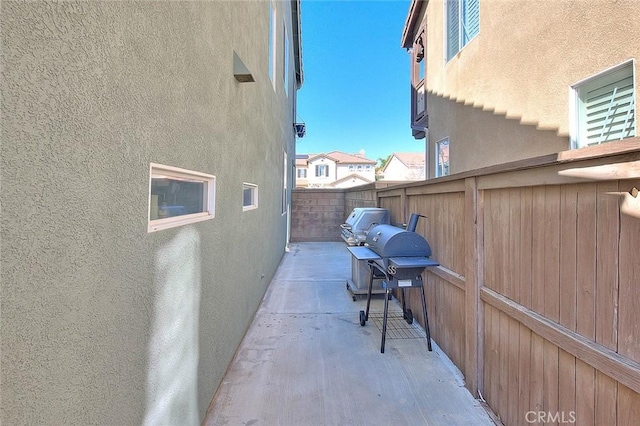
(605, 107)
(462, 24)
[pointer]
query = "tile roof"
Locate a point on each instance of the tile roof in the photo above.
(341, 157)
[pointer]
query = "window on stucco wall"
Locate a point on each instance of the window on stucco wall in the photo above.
(604, 107)
(462, 24)
(178, 197)
(442, 157)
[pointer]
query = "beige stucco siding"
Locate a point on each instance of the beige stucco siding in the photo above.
(520, 66)
(485, 138)
(103, 322)
(528, 54)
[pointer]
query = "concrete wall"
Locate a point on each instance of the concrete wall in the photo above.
(316, 214)
(506, 93)
(103, 322)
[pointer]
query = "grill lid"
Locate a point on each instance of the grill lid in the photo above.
(390, 241)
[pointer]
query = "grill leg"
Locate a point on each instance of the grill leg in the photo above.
(384, 320)
(366, 315)
(426, 319)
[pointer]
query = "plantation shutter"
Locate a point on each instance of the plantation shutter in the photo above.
(453, 30)
(470, 20)
(608, 107)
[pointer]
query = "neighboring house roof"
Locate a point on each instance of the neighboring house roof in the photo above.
(301, 162)
(341, 157)
(351, 176)
(409, 159)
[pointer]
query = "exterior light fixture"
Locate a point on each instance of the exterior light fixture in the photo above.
(300, 129)
(240, 70)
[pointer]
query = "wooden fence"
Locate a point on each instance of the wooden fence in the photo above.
(537, 299)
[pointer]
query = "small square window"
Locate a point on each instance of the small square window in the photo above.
(249, 196)
(302, 173)
(604, 107)
(442, 157)
(178, 197)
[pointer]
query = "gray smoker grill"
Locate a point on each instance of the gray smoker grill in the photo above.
(400, 256)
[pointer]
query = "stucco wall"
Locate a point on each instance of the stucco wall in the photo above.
(484, 139)
(102, 322)
(520, 66)
(528, 54)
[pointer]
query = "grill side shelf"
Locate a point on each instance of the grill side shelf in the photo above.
(363, 253)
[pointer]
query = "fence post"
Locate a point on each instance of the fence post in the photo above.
(473, 281)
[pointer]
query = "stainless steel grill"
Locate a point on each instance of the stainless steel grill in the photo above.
(360, 220)
(400, 256)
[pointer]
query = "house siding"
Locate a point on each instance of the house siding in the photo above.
(103, 322)
(519, 68)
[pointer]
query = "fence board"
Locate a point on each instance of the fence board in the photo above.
(628, 406)
(585, 394)
(568, 231)
(586, 261)
(524, 371)
(629, 317)
(607, 231)
(526, 235)
(513, 415)
(606, 394)
(566, 383)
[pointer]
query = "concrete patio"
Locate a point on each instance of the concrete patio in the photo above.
(305, 360)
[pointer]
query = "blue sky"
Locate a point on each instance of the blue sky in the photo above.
(356, 91)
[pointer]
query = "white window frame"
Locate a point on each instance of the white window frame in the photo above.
(254, 196)
(285, 186)
(576, 106)
(163, 171)
(439, 145)
(301, 173)
(463, 33)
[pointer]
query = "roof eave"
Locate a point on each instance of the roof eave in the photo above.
(410, 23)
(297, 41)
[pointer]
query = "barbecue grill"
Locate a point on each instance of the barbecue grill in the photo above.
(400, 256)
(360, 220)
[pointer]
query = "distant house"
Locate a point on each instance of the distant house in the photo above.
(334, 170)
(404, 166)
(499, 81)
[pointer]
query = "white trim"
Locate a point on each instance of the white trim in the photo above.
(160, 170)
(437, 156)
(254, 196)
(574, 99)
